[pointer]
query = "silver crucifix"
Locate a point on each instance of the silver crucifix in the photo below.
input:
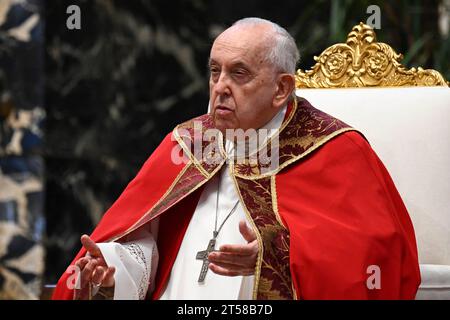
(203, 255)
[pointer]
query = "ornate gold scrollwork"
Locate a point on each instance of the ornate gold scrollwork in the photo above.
(364, 62)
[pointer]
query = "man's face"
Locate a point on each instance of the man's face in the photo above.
(242, 83)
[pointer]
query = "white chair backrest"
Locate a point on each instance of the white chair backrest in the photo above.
(409, 129)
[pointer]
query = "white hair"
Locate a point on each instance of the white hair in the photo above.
(283, 53)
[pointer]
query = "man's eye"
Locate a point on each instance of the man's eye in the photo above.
(214, 74)
(214, 71)
(240, 73)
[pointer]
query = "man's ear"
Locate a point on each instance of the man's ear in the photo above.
(285, 87)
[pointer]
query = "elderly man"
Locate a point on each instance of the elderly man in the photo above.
(306, 212)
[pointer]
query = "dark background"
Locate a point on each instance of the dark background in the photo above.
(137, 68)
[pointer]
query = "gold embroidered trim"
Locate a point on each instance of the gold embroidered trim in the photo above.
(258, 237)
(294, 292)
(268, 272)
(221, 143)
(218, 168)
(142, 221)
(273, 192)
(296, 158)
(192, 158)
(197, 162)
(290, 116)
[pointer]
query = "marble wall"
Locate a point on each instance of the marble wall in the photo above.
(22, 222)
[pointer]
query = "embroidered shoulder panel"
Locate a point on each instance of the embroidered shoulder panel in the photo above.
(272, 274)
(202, 143)
(305, 130)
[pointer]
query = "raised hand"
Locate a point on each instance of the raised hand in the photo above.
(93, 269)
(236, 259)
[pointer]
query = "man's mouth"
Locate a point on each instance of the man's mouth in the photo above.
(223, 110)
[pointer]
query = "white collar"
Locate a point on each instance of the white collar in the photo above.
(272, 127)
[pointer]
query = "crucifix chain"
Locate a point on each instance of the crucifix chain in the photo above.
(203, 255)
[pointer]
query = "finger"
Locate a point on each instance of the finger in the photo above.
(234, 269)
(97, 277)
(233, 259)
(81, 263)
(100, 261)
(246, 231)
(240, 249)
(90, 246)
(87, 271)
(229, 270)
(86, 274)
(108, 280)
(222, 271)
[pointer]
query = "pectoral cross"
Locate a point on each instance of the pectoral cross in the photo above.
(203, 255)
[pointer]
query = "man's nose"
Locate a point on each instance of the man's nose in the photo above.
(221, 87)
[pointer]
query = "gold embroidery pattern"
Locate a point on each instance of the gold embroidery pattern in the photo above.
(188, 182)
(274, 269)
(205, 146)
(273, 186)
(364, 62)
(307, 129)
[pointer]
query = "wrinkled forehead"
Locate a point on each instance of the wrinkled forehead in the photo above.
(246, 43)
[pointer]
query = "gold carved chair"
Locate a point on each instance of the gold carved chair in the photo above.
(405, 115)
